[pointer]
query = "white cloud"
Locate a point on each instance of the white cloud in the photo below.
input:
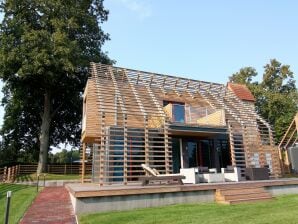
(140, 7)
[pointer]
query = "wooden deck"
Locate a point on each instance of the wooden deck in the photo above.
(95, 190)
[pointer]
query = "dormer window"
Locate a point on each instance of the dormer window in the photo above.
(175, 110)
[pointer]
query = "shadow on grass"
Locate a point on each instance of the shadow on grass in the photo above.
(11, 187)
(25, 177)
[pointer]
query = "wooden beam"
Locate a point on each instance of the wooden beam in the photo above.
(117, 91)
(83, 163)
(147, 148)
(101, 154)
(137, 98)
(290, 138)
(125, 151)
(151, 94)
(284, 137)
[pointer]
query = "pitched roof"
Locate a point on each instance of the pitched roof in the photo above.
(241, 91)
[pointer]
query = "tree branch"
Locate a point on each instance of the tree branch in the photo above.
(56, 110)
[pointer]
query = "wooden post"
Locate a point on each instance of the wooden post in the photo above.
(64, 168)
(281, 161)
(8, 174)
(5, 174)
(146, 142)
(166, 147)
(13, 173)
(125, 149)
(101, 150)
(287, 162)
(83, 163)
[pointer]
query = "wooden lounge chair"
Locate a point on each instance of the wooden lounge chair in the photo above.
(153, 175)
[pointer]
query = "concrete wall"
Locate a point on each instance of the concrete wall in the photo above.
(282, 190)
(129, 202)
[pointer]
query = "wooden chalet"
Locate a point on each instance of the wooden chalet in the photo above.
(133, 117)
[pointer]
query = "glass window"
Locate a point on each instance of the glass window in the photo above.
(192, 154)
(178, 113)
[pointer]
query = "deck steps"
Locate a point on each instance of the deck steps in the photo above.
(240, 195)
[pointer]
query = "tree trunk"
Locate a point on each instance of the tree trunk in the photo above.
(44, 134)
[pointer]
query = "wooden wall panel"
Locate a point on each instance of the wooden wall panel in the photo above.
(92, 128)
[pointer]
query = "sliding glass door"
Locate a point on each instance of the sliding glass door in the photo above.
(187, 153)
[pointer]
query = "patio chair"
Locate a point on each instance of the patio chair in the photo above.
(153, 175)
(231, 173)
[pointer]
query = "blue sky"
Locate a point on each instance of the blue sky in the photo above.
(204, 40)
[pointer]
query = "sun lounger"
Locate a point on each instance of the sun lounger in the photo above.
(153, 175)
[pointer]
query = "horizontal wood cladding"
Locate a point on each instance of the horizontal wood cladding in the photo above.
(91, 113)
(122, 150)
(130, 99)
(194, 99)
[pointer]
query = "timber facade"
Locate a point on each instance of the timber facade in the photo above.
(133, 117)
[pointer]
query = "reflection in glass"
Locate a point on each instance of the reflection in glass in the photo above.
(192, 154)
(178, 113)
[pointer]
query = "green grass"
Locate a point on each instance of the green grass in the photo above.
(33, 177)
(21, 198)
(281, 210)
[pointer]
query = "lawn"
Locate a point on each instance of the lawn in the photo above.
(281, 210)
(33, 177)
(21, 198)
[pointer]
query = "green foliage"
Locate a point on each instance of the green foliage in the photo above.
(45, 50)
(244, 76)
(280, 210)
(64, 156)
(276, 95)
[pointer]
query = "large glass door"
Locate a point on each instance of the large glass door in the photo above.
(206, 153)
(176, 157)
(198, 153)
(187, 153)
(192, 153)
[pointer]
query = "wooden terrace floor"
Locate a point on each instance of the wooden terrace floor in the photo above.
(95, 190)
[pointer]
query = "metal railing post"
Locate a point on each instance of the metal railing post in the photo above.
(37, 183)
(44, 180)
(8, 197)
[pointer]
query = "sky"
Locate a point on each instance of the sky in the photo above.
(203, 40)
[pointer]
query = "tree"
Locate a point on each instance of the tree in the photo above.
(244, 76)
(280, 97)
(16, 143)
(64, 156)
(276, 95)
(45, 51)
